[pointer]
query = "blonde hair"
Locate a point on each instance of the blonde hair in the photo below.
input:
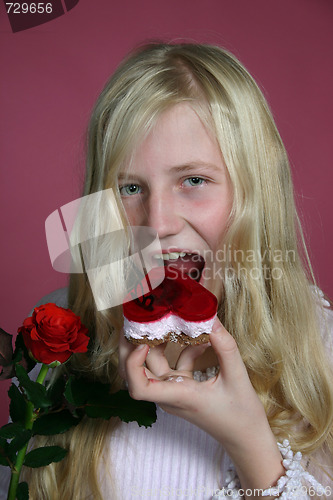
(267, 305)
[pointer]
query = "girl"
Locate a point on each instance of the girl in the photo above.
(184, 137)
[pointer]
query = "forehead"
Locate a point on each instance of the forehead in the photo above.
(178, 135)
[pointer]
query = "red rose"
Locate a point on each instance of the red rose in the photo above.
(53, 333)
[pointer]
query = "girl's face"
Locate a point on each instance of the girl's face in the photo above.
(178, 185)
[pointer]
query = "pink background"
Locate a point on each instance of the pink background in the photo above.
(52, 74)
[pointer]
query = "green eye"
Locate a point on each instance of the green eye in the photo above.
(194, 181)
(129, 189)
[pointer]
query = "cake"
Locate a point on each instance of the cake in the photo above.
(179, 309)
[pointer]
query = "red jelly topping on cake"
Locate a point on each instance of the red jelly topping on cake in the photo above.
(177, 294)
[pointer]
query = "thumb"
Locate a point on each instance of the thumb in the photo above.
(135, 361)
(228, 355)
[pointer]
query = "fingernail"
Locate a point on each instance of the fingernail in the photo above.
(217, 327)
(141, 346)
(216, 330)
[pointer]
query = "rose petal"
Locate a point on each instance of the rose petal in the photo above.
(53, 333)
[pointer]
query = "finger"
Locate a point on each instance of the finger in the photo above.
(228, 355)
(156, 360)
(135, 363)
(189, 355)
(142, 387)
(125, 348)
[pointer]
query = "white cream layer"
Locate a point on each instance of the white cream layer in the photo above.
(171, 323)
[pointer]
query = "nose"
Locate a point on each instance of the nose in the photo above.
(164, 214)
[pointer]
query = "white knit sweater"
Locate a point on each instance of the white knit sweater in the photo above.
(173, 459)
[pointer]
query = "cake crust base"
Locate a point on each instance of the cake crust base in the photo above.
(180, 338)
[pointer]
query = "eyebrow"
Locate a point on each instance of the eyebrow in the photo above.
(200, 165)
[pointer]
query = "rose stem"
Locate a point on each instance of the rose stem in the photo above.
(29, 420)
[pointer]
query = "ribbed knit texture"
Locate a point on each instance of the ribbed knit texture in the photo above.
(172, 459)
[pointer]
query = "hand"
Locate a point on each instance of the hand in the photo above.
(213, 404)
(226, 406)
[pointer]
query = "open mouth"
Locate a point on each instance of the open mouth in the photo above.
(191, 264)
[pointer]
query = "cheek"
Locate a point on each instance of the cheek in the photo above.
(134, 213)
(133, 219)
(213, 222)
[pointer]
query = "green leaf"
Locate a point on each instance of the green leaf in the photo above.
(6, 457)
(21, 354)
(77, 391)
(17, 407)
(6, 355)
(99, 403)
(3, 460)
(55, 390)
(3, 451)
(121, 405)
(22, 492)
(54, 423)
(9, 431)
(44, 456)
(35, 392)
(19, 441)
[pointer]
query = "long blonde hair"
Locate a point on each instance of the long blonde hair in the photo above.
(268, 304)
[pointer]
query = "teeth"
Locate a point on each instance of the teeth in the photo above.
(170, 256)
